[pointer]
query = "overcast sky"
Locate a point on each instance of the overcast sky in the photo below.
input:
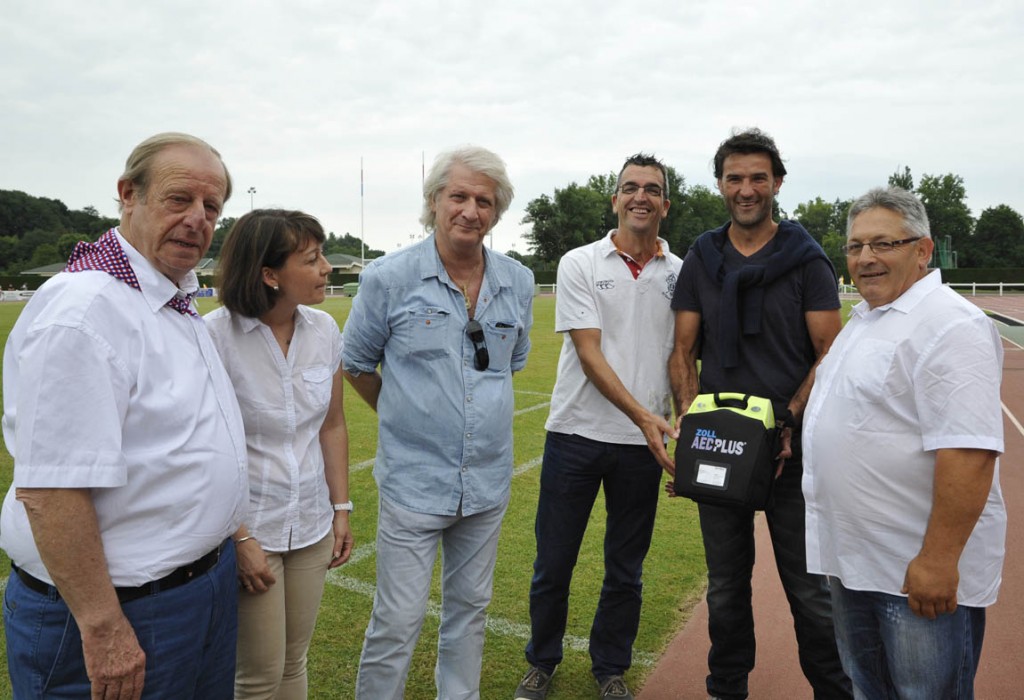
(294, 94)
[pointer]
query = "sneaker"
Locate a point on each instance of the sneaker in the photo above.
(614, 687)
(534, 685)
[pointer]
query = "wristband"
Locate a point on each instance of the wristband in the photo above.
(240, 540)
(347, 505)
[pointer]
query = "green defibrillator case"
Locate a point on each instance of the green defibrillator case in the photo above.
(726, 451)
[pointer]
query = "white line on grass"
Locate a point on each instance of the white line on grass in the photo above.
(535, 407)
(360, 466)
(497, 625)
(526, 466)
(521, 469)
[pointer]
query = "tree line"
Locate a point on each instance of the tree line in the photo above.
(38, 231)
(578, 214)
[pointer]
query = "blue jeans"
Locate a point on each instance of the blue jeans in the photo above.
(574, 469)
(729, 551)
(188, 634)
(406, 548)
(890, 652)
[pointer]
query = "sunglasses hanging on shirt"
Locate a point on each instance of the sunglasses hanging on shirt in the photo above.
(475, 332)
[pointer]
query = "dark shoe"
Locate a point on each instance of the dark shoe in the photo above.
(614, 688)
(534, 685)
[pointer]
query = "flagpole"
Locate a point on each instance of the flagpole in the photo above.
(362, 221)
(423, 181)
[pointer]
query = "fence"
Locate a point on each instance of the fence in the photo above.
(999, 288)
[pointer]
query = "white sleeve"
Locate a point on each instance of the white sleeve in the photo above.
(72, 398)
(956, 384)
(575, 304)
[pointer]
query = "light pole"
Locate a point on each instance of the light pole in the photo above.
(251, 191)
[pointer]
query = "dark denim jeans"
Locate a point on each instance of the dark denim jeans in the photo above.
(573, 471)
(892, 653)
(188, 633)
(729, 551)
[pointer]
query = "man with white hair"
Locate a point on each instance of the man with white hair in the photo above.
(902, 432)
(448, 321)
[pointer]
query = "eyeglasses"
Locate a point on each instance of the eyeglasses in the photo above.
(649, 190)
(475, 332)
(877, 247)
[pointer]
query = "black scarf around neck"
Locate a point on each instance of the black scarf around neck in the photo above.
(743, 289)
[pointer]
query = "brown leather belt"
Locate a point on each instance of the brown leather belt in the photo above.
(178, 577)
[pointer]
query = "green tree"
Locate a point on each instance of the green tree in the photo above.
(67, 242)
(904, 179)
(8, 248)
(674, 224)
(998, 239)
(89, 222)
(45, 254)
(833, 246)
(574, 216)
(826, 222)
(817, 216)
(20, 213)
(349, 245)
(944, 199)
(32, 240)
(223, 226)
(698, 210)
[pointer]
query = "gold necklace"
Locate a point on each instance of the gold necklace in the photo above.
(465, 286)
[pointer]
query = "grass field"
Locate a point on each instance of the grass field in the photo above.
(674, 572)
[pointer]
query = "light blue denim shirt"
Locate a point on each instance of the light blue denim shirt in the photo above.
(445, 427)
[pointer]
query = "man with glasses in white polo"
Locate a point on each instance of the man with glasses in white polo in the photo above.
(610, 417)
(901, 437)
(448, 322)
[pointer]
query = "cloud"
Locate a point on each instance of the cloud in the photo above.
(295, 95)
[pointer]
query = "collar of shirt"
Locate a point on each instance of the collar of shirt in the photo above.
(430, 265)
(302, 316)
(905, 302)
(607, 246)
(155, 287)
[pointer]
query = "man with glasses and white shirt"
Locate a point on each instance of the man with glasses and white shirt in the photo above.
(448, 321)
(902, 433)
(609, 420)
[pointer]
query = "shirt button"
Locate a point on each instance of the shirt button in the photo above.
(469, 399)
(469, 436)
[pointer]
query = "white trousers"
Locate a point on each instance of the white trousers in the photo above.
(407, 544)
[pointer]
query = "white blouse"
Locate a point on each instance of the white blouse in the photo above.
(284, 401)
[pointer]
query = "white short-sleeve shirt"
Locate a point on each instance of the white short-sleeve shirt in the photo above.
(106, 388)
(901, 381)
(284, 400)
(597, 290)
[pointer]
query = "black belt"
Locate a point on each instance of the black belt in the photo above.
(178, 577)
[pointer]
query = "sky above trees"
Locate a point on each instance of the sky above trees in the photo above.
(297, 95)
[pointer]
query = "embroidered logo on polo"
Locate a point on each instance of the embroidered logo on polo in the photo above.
(670, 286)
(605, 285)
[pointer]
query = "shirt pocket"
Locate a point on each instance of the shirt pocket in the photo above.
(865, 375)
(501, 341)
(426, 333)
(317, 381)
